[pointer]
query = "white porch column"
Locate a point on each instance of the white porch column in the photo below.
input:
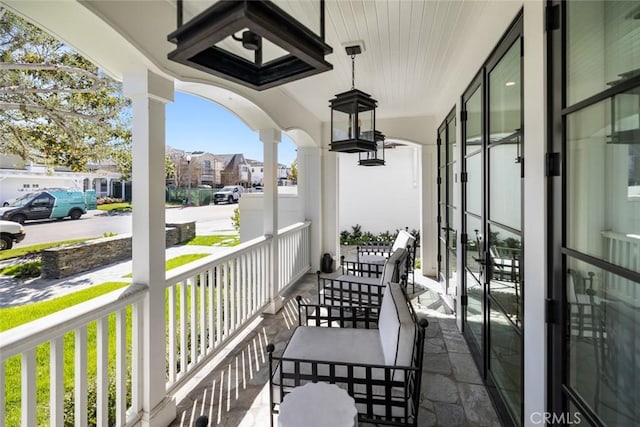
(330, 204)
(270, 138)
(149, 94)
(429, 211)
(310, 194)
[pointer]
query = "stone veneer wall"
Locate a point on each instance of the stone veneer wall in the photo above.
(65, 261)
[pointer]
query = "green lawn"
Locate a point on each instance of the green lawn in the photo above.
(216, 240)
(25, 250)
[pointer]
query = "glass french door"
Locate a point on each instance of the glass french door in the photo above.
(595, 225)
(447, 199)
(492, 179)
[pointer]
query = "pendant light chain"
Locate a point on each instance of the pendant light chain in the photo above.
(353, 71)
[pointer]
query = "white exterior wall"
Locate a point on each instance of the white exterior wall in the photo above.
(13, 183)
(252, 214)
(381, 198)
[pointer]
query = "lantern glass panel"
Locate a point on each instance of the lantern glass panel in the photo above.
(305, 12)
(342, 129)
(365, 125)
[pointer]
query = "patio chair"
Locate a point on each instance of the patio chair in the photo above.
(370, 256)
(362, 290)
(379, 365)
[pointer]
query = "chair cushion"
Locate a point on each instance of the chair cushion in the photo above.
(372, 259)
(397, 259)
(403, 240)
(397, 327)
(347, 278)
(335, 345)
(388, 326)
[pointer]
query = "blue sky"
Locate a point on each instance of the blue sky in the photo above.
(195, 124)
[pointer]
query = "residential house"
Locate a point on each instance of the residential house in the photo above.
(198, 167)
(236, 170)
(525, 115)
(18, 177)
(257, 172)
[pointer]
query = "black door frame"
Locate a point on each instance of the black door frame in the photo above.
(444, 227)
(482, 355)
(558, 394)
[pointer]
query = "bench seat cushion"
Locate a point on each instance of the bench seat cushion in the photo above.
(372, 259)
(335, 345)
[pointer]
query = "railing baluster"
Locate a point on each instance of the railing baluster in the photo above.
(80, 376)
(172, 333)
(203, 314)
(245, 288)
(28, 360)
(194, 321)
(232, 293)
(102, 366)
(183, 328)
(226, 294)
(219, 289)
(121, 367)
(210, 294)
(56, 381)
(2, 391)
(136, 356)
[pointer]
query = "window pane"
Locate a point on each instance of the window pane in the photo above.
(505, 253)
(504, 361)
(504, 96)
(474, 184)
(474, 308)
(602, 183)
(603, 339)
(504, 185)
(603, 46)
(442, 154)
(451, 132)
(474, 242)
(473, 125)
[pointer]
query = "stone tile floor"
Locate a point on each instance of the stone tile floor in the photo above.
(235, 392)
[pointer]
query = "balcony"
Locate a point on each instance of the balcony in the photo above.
(215, 333)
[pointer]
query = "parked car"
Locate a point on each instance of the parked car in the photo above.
(10, 233)
(229, 194)
(46, 204)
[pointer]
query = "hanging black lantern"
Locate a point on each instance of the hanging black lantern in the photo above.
(353, 117)
(373, 158)
(283, 49)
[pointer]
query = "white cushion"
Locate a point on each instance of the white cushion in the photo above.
(388, 326)
(407, 327)
(398, 256)
(372, 259)
(335, 345)
(347, 278)
(403, 240)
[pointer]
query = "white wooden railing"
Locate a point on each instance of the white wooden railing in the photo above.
(208, 302)
(25, 348)
(293, 253)
(229, 292)
(622, 250)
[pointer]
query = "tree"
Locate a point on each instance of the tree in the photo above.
(293, 173)
(56, 107)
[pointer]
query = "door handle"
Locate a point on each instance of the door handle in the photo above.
(480, 261)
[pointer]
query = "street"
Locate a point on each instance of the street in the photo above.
(209, 220)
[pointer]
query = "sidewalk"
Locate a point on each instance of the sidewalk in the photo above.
(15, 292)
